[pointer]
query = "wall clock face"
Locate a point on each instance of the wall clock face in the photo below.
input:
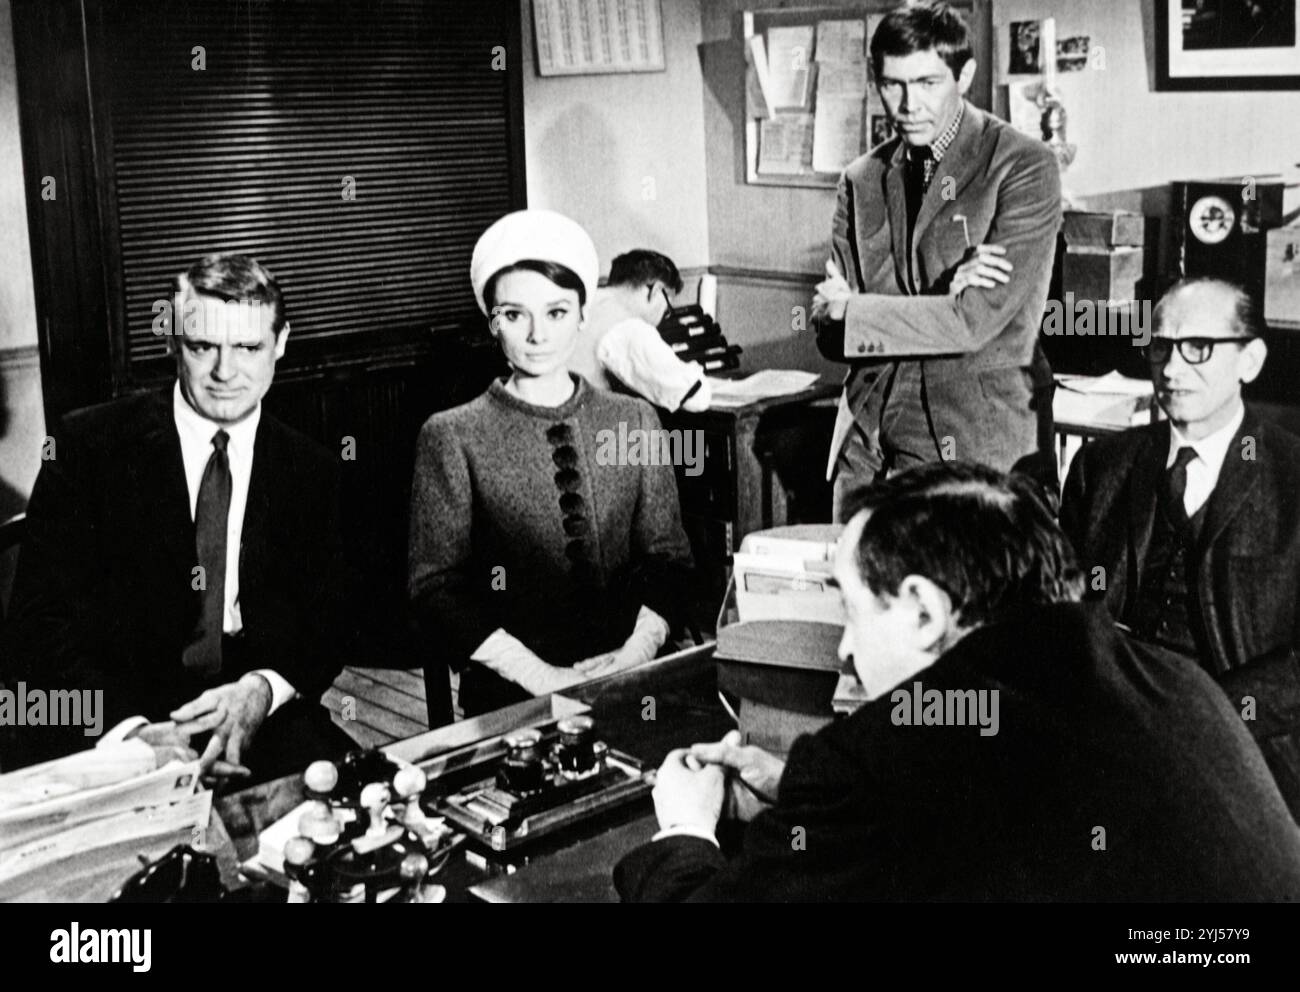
(1211, 219)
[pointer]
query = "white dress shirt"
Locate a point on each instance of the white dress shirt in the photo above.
(1203, 470)
(196, 434)
(616, 343)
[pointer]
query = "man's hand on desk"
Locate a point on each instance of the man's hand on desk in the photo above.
(754, 774)
(233, 712)
(688, 794)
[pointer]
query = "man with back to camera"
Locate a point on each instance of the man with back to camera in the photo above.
(1190, 527)
(1063, 762)
(185, 554)
(938, 369)
(620, 343)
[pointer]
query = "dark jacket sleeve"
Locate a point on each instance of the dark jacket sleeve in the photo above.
(662, 564)
(332, 640)
(668, 870)
(819, 843)
(449, 615)
(48, 630)
(1074, 502)
(51, 637)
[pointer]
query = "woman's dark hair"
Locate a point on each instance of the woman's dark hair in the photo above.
(561, 275)
(919, 28)
(985, 538)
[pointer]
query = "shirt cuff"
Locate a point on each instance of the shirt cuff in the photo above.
(685, 831)
(495, 646)
(281, 690)
(119, 733)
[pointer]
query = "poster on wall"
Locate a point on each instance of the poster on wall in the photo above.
(585, 37)
(1227, 45)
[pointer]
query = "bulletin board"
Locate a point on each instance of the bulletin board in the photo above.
(810, 105)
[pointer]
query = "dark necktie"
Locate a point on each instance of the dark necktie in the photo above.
(1176, 484)
(203, 655)
(916, 182)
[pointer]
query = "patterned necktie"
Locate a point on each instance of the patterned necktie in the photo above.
(1176, 484)
(203, 655)
(929, 165)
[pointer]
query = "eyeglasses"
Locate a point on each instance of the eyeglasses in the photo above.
(1194, 351)
(668, 301)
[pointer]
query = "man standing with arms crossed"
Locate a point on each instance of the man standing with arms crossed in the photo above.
(940, 342)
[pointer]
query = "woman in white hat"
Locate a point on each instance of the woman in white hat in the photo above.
(536, 560)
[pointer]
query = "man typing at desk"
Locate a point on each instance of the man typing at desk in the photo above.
(1108, 770)
(184, 552)
(621, 344)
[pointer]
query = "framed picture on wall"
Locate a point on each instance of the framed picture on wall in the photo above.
(1227, 45)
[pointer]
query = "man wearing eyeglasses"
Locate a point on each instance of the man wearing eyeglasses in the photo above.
(620, 344)
(1191, 526)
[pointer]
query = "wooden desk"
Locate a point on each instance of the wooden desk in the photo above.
(764, 466)
(576, 864)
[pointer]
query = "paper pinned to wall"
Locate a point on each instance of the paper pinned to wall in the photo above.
(842, 79)
(577, 37)
(785, 144)
(789, 64)
(837, 132)
(758, 82)
(841, 41)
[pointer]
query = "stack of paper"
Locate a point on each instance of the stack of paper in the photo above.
(759, 386)
(97, 798)
(783, 574)
(1111, 400)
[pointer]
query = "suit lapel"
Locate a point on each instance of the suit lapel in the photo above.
(1236, 479)
(896, 197)
(1148, 469)
(257, 513)
(958, 164)
(160, 483)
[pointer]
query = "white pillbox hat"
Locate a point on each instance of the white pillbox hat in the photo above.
(540, 235)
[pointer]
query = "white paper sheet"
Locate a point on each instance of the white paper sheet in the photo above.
(841, 41)
(789, 62)
(785, 144)
(761, 385)
(837, 132)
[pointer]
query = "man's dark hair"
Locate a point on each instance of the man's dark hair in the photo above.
(561, 275)
(1247, 317)
(642, 267)
(234, 278)
(985, 538)
(919, 28)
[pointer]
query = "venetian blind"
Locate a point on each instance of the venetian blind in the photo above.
(357, 149)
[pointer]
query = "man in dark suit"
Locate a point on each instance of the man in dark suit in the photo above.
(1191, 526)
(184, 552)
(936, 373)
(1026, 749)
